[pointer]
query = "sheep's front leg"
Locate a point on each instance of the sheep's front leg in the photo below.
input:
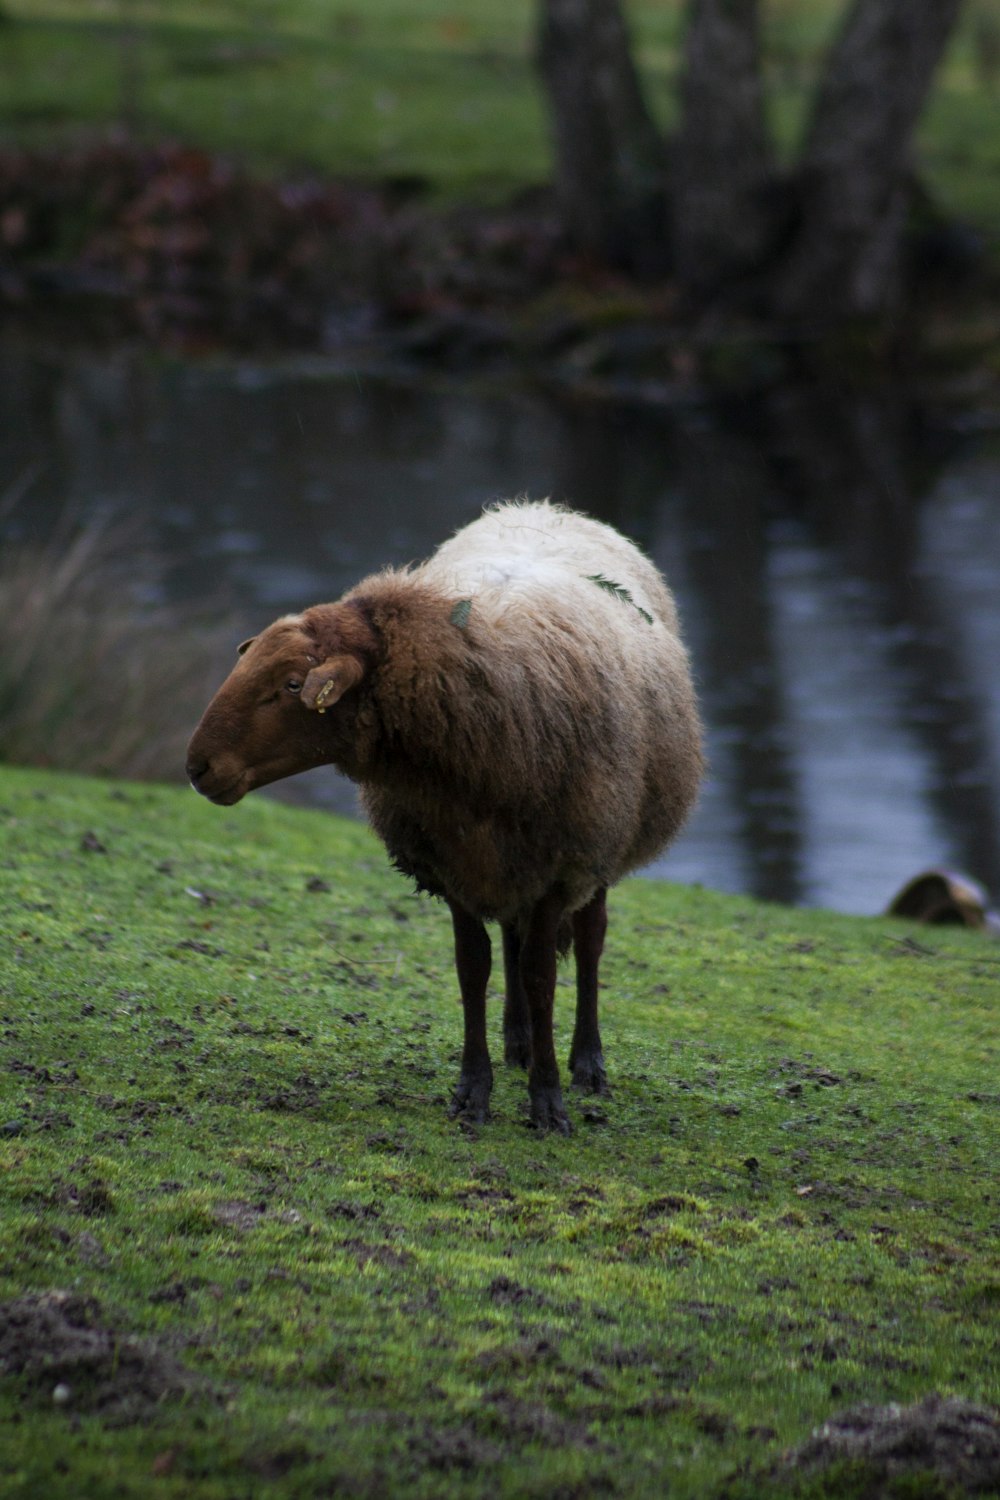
(586, 1060)
(538, 973)
(516, 1021)
(473, 956)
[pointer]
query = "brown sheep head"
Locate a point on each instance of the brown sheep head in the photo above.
(272, 717)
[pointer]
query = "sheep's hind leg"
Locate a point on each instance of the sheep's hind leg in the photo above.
(516, 1021)
(586, 1060)
(473, 957)
(538, 972)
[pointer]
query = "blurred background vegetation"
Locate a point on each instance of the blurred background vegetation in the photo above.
(424, 90)
(97, 672)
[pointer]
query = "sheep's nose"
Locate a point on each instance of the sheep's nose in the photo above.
(196, 768)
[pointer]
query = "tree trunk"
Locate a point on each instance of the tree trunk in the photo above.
(811, 248)
(854, 177)
(722, 160)
(609, 158)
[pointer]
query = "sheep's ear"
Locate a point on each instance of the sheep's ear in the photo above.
(327, 683)
(244, 646)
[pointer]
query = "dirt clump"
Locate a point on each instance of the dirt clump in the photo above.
(956, 1441)
(61, 1348)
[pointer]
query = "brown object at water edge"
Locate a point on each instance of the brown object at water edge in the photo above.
(946, 897)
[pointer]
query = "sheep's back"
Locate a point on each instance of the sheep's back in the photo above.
(560, 744)
(518, 551)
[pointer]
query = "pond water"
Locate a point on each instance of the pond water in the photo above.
(836, 559)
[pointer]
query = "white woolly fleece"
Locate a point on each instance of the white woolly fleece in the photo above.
(534, 547)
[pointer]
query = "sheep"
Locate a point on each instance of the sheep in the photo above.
(519, 713)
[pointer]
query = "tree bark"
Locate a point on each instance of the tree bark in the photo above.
(810, 248)
(722, 160)
(855, 176)
(610, 159)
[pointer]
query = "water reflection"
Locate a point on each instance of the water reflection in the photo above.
(838, 567)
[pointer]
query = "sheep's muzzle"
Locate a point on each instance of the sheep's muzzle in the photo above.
(218, 783)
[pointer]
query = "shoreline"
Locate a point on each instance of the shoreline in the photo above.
(195, 256)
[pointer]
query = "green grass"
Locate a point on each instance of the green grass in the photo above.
(382, 90)
(222, 1114)
(421, 88)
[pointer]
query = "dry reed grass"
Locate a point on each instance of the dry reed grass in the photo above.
(93, 676)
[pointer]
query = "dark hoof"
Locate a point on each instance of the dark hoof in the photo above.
(589, 1075)
(471, 1100)
(547, 1112)
(517, 1049)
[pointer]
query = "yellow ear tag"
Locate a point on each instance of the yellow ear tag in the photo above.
(323, 694)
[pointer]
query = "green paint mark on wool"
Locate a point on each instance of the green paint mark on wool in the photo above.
(460, 613)
(620, 592)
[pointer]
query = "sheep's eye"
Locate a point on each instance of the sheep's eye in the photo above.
(293, 685)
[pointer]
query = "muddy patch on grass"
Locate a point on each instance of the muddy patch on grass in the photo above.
(63, 1350)
(507, 1293)
(239, 1215)
(381, 1253)
(878, 1451)
(450, 1448)
(510, 1419)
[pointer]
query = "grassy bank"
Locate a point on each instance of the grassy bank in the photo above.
(422, 89)
(227, 1044)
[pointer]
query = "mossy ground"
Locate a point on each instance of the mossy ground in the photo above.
(227, 1041)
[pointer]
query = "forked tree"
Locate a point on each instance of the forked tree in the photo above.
(818, 241)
